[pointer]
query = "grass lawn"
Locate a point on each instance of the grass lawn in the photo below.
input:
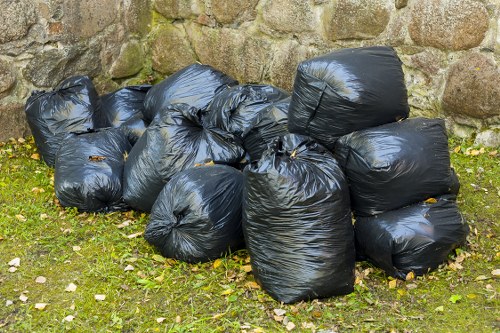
(67, 258)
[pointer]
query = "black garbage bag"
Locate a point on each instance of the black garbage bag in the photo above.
(395, 165)
(197, 216)
(297, 222)
(270, 123)
(89, 170)
(347, 90)
(176, 140)
(416, 238)
(238, 108)
(125, 108)
(70, 107)
(195, 85)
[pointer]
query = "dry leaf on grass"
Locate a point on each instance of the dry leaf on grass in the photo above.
(100, 297)
(69, 318)
(16, 262)
(71, 288)
(40, 306)
(41, 279)
(23, 298)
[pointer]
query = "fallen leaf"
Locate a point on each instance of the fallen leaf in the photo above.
(137, 234)
(76, 248)
(495, 272)
(16, 262)
(493, 153)
(439, 309)
(290, 326)
(227, 292)
(100, 297)
(12, 269)
(21, 140)
(40, 306)
(431, 201)
(123, 224)
(475, 152)
(8, 303)
(69, 318)
(393, 284)
(411, 286)
(35, 156)
(71, 288)
(247, 268)
(278, 318)
(457, 149)
(482, 278)
(43, 216)
(128, 268)
(160, 320)
(217, 263)
(178, 319)
(252, 285)
(21, 218)
(23, 298)
(37, 190)
(455, 298)
(279, 312)
(72, 307)
(158, 258)
(410, 276)
(41, 279)
(310, 326)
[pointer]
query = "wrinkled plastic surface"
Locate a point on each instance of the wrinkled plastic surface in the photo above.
(415, 238)
(124, 108)
(176, 140)
(347, 90)
(238, 108)
(197, 216)
(70, 107)
(89, 171)
(195, 85)
(297, 222)
(395, 165)
(270, 123)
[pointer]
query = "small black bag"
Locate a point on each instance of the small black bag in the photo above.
(124, 108)
(176, 140)
(346, 91)
(415, 238)
(297, 222)
(89, 170)
(71, 107)
(195, 85)
(397, 164)
(197, 216)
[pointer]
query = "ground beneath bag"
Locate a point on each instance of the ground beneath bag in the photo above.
(177, 140)
(197, 216)
(346, 91)
(195, 85)
(297, 222)
(417, 238)
(89, 171)
(124, 108)
(70, 107)
(395, 165)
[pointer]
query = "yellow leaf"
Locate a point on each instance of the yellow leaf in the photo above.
(137, 234)
(252, 285)
(493, 153)
(431, 201)
(227, 292)
(217, 263)
(457, 149)
(35, 156)
(475, 152)
(40, 306)
(247, 268)
(439, 309)
(393, 284)
(21, 218)
(410, 276)
(401, 292)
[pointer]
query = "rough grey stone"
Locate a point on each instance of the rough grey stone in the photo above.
(289, 15)
(284, 65)
(170, 48)
(448, 24)
(13, 121)
(7, 78)
(357, 19)
(488, 138)
(138, 16)
(400, 3)
(16, 17)
(227, 12)
(473, 87)
(129, 61)
(178, 8)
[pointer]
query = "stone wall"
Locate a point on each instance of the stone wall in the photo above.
(450, 48)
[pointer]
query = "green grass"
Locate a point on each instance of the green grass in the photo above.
(91, 251)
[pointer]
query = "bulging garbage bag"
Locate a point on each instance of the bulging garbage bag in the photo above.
(197, 216)
(297, 222)
(416, 238)
(347, 90)
(395, 165)
(176, 140)
(195, 85)
(270, 123)
(70, 107)
(124, 108)
(237, 109)
(89, 170)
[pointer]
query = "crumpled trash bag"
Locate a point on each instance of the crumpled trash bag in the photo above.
(89, 170)
(238, 108)
(270, 123)
(347, 90)
(124, 108)
(197, 215)
(416, 238)
(176, 140)
(70, 107)
(195, 85)
(297, 222)
(396, 164)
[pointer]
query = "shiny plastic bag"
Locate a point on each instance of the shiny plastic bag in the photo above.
(70, 107)
(195, 85)
(297, 222)
(176, 140)
(89, 170)
(124, 108)
(347, 90)
(416, 238)
(395, 165)
(237, 109)
(197, 216)
(270, 123)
